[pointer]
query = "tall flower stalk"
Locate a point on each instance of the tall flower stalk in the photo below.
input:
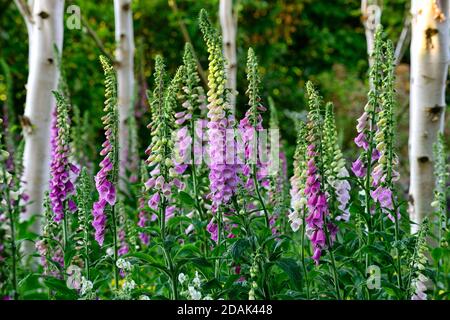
(320, 229)
(223, 171)
(251, 126)
(298, 180)
(279, 183)
(160, 156)
(297, 192)
(83, 237)
(384, 173)
(336, 173)
(63, 172)
(441, 169)
(189, 128)
(366, 128)
(223, 175)
(107, 178)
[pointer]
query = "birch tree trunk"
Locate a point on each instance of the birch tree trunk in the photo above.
(228, 24)
(429, 67)
(125, 73)
(44, 19)
(371, 16)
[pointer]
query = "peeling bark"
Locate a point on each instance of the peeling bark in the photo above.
(429, 67)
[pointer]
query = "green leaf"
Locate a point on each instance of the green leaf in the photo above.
(186, 199)
(437, 254)
(149, 261)
(211, 285)
(60, 286)
(292, 269)
(238, 248)
(188, 250)
(381, 254)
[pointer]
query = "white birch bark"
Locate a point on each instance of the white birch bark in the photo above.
(429, 67)
(371, 16)
(44, 19)
(125, 73)
(228, 23)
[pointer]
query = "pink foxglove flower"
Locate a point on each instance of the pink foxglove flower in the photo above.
(105, 179)
(63, 173)
(318, 209)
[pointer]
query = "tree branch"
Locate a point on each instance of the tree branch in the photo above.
(404, 39)
(96, 39)
(187, 38)
(25, 11)
(91, 32)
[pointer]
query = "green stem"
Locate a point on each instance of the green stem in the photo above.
(86, 254)
(196, 194)
(114, 232)
(260, 199)
(399, 262)
(168, 257)
(65, 232)
(173, 277)
(333, 265)
(219, 240)
(302, 253)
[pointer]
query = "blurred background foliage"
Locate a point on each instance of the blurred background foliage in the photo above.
(295, 40)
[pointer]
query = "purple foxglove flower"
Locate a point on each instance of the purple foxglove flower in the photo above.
(375, 155)
(383, 196)
(99, 222)
(154, 201)
(61, 186)
(362, 122)
(142, 222)
(361, 141)
(317, 254)
(213, 229)
(358, 168)
(124, 248)
(170, 212)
